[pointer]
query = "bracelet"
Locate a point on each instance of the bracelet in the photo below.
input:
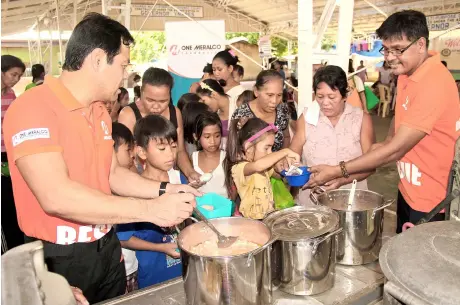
(344, 169)
(162, 188)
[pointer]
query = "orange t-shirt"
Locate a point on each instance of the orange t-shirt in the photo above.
(428, 101)
(50, 119)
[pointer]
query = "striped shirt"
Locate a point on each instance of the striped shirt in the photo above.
(7, 98)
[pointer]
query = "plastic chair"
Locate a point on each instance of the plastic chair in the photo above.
(384, 95)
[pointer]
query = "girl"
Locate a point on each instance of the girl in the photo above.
(209, 157)
(156, 145)
(249, 165)
(213, 95)
(223, 65)
(190, 113)
(185, 99)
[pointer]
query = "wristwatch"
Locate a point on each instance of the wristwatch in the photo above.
(162, 188)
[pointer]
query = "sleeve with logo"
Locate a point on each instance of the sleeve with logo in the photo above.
(424, 109)
(31, 128)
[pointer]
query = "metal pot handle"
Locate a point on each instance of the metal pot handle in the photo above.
(316, 190)
(192, 218)
(320, 240)
(385, 205)
(257, 251)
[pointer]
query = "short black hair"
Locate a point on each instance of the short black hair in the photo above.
(409, 23)
(9, 62)
(136, 78)
(157, 77)
(266, 76)
(137, 91)
(444, 63)
(240, 70)
(187, 98)
(208, 69)
(122, 93)
(334, 77)
(121, 135)
(95, 31)
(154, 127)
(189, 115)
(37, 71)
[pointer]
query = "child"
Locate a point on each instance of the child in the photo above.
(123, 146)
(187, 98)
(209, 157)
(238, 73)
(245, 97)
(156, 145)
(249, 163)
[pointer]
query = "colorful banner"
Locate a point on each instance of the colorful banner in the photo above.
(191, 46)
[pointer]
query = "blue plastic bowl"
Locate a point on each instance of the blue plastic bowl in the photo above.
(223, 207)
(299, 180)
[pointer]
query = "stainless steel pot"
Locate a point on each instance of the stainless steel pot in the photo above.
(362, 223)
(241, 279)
(275, 251)
(307, 254)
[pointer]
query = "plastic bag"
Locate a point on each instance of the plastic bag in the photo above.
(371, 99)
(281, 195)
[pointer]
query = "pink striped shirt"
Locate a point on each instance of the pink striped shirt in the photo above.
(7, 98)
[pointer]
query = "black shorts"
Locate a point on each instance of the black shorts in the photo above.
(404, 213)
(96, 268)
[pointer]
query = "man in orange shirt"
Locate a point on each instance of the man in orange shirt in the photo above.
(64, 170)
(426, 125)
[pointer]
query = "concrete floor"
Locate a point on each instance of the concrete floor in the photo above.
(386, 178)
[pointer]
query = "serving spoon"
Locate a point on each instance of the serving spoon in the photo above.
(222, 240)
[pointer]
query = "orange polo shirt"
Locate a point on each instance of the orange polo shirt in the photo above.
(50, 119)
(428, 101)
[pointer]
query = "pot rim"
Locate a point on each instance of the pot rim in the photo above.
(268, 243)
(350, 211)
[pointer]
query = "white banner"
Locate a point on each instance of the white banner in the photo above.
(442, 22)
(166, 11)
(190, 47)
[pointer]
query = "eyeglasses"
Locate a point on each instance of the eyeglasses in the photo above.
(397, 52)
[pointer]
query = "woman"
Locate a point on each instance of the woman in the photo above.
(156, 99)
(213, 95)
(342, 132)
(268, 106)
(223, 65)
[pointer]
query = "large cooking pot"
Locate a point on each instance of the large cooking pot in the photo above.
(362, 223)
(275, 250)
(422, 265)
(241, 279)
(307, 253)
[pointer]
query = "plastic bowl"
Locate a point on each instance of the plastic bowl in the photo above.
(299, 180)
(221, 206)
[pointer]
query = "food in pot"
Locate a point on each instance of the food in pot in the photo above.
(210, 248)
(207, 207)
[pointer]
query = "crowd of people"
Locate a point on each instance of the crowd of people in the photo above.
(121, 173)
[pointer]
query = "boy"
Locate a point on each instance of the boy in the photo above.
(156, 250)
(123, 144)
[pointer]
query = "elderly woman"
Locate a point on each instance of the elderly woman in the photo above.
(268, 106)
(339, 132)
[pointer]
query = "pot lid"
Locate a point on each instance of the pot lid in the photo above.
(424, 261)
(304, 223)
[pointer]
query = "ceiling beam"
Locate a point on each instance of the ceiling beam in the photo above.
(19, 11)
(24, 3)
(252, 22)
